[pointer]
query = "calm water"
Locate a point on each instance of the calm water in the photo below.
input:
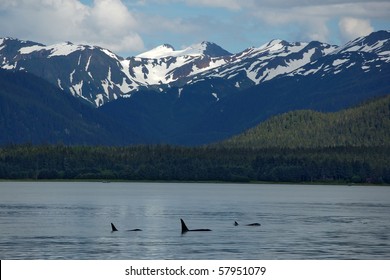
(72, 221)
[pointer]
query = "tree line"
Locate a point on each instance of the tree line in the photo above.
(207, 163)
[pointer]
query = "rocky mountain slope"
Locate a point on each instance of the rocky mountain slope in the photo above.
(98, 75)
(203, 93)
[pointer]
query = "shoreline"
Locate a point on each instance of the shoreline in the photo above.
(317, 183)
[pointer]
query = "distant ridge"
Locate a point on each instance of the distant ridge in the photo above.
(365, 125)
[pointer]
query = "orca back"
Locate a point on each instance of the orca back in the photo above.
(249, 225)
(254, 225)
(184, 228)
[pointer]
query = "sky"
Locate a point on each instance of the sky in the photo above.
(130, 27)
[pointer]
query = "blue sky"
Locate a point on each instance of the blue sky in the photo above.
(129, 27)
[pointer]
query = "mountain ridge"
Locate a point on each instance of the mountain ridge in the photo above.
(100, 76)
(196, 100)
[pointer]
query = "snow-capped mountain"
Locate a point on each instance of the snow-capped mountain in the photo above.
(366, 54)
(278, 57)
(203, 93)
(377, 42)
(204, 48)
(98, 76)
(91, 73)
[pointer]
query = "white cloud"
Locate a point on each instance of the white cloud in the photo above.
(352, 28)
(227, 4)
(124, 25)
(110, 16)
(107, 23)
(312, 18)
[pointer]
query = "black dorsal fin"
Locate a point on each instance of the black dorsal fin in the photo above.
(184, 228)
(113, 228)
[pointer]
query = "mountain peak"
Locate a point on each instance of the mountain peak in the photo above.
(159, 52)
(168, 46)
(213, 50)
(377, 42)
(203, 48)
(276, 45)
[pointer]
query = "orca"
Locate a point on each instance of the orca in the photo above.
(249, 225)
(113, 228)
(185, 229)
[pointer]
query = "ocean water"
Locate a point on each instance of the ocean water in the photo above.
(71, 220)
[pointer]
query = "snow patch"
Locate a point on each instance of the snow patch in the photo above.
(289, 66)
(338, 62)
(77, 89)
(9, 66)
(125, 67)
(167, 50)
(99, 100)
(88, 62)
(272, 45)
(105, 86)
(337, 71)
(158, 52)
(71, 76)
(110, 54)
(359, 45)
(109, 74)
(63, 49)
(125, 87)
(384, 53)
(59, 84)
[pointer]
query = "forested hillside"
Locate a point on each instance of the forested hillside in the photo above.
(351, 146)
(337, 165)
(34, 111)
(364, 126)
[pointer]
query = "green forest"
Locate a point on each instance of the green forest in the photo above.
(366, 125)
(342, 164)
(350, 146)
